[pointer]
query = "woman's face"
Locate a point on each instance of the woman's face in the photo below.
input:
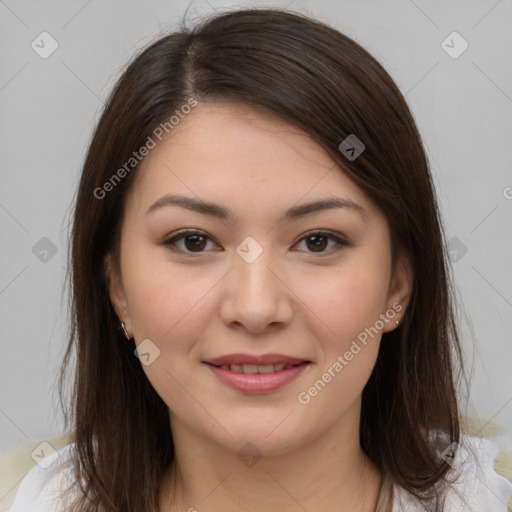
(254, 278)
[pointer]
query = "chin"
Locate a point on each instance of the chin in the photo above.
(262, 439)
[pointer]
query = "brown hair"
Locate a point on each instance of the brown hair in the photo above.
(326, 84)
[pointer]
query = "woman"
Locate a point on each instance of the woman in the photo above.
(262, 310)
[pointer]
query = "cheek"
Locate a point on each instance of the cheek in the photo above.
(350, 300)
(350, 306)
(164, 299)
(168, 305)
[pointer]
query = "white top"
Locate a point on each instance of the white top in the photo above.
(478, 489)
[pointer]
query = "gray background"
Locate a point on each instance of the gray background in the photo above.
(463, 107)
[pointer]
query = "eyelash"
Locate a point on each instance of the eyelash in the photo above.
(171, 242)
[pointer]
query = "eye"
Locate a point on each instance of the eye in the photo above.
(318, 240)
(195, 241)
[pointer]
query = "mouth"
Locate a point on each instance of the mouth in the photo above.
(253, 368)
(257, 378)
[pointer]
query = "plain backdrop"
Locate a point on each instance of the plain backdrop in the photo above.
(461, 100)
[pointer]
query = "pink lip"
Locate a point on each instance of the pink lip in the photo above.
(264, 359)
(258, 382)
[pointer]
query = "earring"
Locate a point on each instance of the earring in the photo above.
(398, 323)
(123, 328)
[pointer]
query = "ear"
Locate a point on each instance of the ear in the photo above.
(116, 291)
(399, 291)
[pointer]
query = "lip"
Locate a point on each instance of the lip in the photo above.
(261, 360)
(258, 382)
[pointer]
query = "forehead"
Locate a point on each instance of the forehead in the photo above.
(223, 151)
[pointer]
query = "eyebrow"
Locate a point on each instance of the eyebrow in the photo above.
(219, 212)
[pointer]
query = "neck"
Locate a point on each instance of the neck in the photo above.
(329, 473)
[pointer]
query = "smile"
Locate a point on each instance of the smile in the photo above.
(252, 368)
(249, 378)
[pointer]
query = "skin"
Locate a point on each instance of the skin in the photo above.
(294, 299)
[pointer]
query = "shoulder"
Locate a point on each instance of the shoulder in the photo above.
(473, 482)
(45, 485)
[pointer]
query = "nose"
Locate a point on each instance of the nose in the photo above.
(255, 294)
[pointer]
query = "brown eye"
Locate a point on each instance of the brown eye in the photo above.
(318, 241)
(194, 242)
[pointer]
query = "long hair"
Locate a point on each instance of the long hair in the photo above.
(326, 84)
